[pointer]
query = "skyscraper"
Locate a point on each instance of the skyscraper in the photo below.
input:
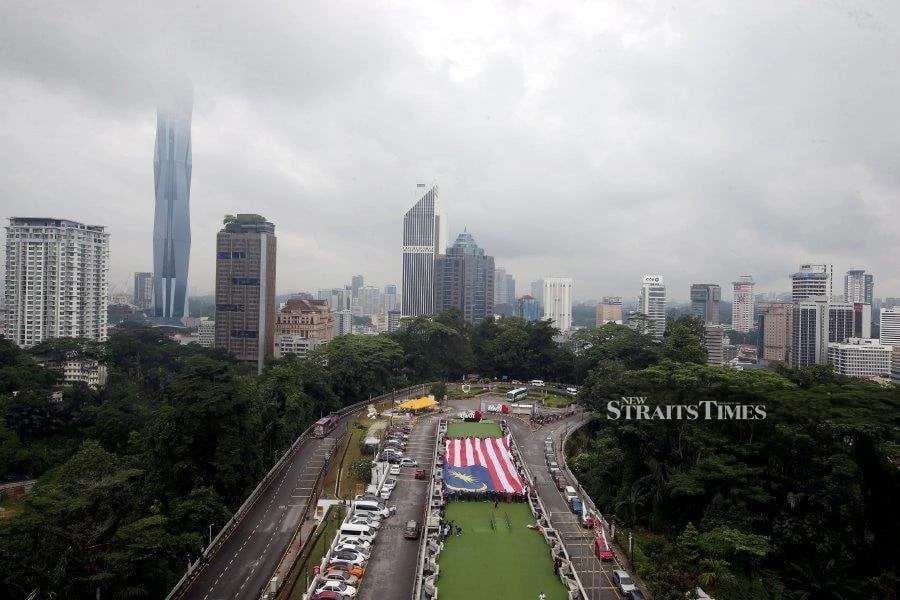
(859, 286)
(356, 283)
(812, 281)
(705, 298)
(609, 310)
(143, 290)
(775, 327)
(653, 304)
(742, 313)
(558, 301)
(889, 326)
(56, 280)
(528, 308)
(464, 279)
(422, 241)
(172, 220)
(245, 288)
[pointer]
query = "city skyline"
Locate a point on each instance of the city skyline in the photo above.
(510, 138)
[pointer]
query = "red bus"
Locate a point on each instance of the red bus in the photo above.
(325, 425)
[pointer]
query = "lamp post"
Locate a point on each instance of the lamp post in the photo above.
(210, 533)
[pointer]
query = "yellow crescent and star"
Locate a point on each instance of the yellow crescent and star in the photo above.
(467, 479)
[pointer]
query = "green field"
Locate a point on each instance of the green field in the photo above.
(506, 562)
(461, 429)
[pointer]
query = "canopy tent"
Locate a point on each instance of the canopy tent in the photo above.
(418, 403)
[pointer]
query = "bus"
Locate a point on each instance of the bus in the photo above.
(325, 425)
(517, 394)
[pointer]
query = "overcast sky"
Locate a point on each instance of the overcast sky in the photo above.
(597, 140)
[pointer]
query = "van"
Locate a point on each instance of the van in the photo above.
(569, 493)
(368, 507)
(537, 382)
(358, 531)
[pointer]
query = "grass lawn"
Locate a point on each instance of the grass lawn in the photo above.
(503, 563)
(556, 401)
(356, 432)
(461, 429)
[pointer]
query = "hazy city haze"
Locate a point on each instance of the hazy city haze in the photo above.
(596, 140)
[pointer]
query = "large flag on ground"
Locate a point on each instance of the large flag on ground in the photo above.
(480, 465)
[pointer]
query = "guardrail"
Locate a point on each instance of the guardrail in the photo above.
(241, 512)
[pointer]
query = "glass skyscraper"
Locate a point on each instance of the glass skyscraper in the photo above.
(422, 239)
(172, 222)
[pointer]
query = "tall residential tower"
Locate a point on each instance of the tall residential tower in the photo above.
(653, 304)
(742, 313)
(172, 220)
(56, 280)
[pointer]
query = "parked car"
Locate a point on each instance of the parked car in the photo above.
(340, 587)
(328, 595)
(344, 576)
(349, 557)
(390, 483)
(561, 482)
(408, 462)
(623, 580)
(635, 594)
(411, 531)
(354, 546)
(355, 570)
(421, 474)
(395, 469)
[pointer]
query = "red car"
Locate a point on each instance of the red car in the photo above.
(561, 482)
(421, 474)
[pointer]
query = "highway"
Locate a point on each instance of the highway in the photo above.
(243, 563)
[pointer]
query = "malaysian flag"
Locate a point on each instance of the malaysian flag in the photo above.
(480, 465)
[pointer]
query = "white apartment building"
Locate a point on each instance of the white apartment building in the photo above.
(206, 332)
(742, 313)
(653, 304)
(889, 332)
(860, 357)
(56, 280)
(90, 372)
(812, 281)
(558, 301)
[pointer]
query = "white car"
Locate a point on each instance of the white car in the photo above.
(408, 462)
(340, 587)
(366, 546)
(360, 520)
(386, 493)
(354, 547)
(390, 484)
(395, 469)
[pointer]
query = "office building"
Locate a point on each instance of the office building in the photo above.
(653, 304)
(859, 286)
(557, 301)
(172, 219)
(504, 289)
(206, 332)
(714, 342)
(422, 242)
(393, 320)
(143, 290)
(816, 323)
(609, 310)
(895, 364)
(464, 280)
(537, 292)
(370, 301)
(742, 313)
(337, 298)
(302, 325)
(812, 281)
(391, 299)
(705, 298)
(528, 308)
(343, 323)
(245, 288)
(56, 280)
(356, 284)
(862, 320)
(889, 326)
(774, 322)
(858, 357)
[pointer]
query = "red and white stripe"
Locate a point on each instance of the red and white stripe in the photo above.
(491, 453)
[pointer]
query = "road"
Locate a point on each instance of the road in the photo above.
(392, 568)
(243, 563)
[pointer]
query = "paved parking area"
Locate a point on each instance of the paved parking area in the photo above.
(392, 567)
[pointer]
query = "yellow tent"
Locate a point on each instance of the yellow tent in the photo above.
(418, 403)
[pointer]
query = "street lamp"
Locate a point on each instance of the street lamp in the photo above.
(210, 533)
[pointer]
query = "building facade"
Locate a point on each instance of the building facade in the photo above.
(56, 280)
(528, 308)
(705, 298)
(302, 325)
(889, 326)
(464, 280)
(143, 291)
(609, 310)
(206, 332)
(895, 364)
(393, 320)
(245, 288)
(557, 301)
(816, 323)
(775, 325)
(172, 166)
(858, 357)
(422, 242)
(653, 304)
(714, 342)
(343, 323)
(812, 281)
(859, 286)
(742, 310)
